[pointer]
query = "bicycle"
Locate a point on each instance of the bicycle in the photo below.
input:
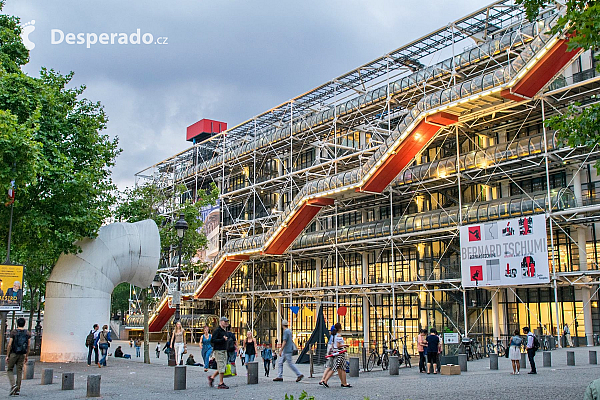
(403, 358)
(473, 349)
(496, 348)
(380, 359)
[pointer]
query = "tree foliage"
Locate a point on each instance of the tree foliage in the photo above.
(148, 201)
(579, 126)
(52, 147)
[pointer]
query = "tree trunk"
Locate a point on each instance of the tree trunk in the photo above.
(31, 307)
(146, 327)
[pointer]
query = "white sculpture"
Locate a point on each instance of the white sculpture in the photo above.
(80, 285)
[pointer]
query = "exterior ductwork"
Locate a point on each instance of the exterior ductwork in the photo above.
(79, 289)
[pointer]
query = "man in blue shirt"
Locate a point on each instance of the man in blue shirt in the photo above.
(433, 348)
(287, 348)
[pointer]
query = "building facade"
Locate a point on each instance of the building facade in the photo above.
(350, 197)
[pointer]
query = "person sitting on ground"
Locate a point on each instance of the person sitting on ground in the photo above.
(119, 353)
(192, 362)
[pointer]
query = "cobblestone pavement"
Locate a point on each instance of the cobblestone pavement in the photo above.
(131, 379)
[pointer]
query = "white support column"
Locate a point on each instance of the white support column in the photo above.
(495, 315)
(365, 307)
(279, 316)
(318, 266)
(586, 292)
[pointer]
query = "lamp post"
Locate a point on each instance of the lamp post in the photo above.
(180, 226)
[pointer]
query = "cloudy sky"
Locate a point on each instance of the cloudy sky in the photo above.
(226, 60)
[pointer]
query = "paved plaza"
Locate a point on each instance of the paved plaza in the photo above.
(131, 379)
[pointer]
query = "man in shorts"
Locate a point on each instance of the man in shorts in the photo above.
(433, 349)
(219, 343)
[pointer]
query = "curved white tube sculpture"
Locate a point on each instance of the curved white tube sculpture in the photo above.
(80, 285)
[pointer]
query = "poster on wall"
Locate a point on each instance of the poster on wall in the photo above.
(11, 287)
(504, 253)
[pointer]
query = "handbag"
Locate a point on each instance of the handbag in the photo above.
(212, 363)
(185, 349)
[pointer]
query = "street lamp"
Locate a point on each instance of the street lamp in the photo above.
(180, 226)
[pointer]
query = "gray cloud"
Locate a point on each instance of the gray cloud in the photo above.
(225, 60)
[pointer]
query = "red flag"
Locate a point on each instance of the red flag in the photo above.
(11, 194)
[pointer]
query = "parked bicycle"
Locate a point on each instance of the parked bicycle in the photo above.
(382, 359)
(473, 348)
(403, 356)
(497, 348)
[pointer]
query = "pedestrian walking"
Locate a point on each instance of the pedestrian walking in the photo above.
(514, 352)
(231, 346)
(249, 348)
(137, 344)
(17, 348)
(157, 350)
(267, 356)
(242, 353)
(285, 354)
(178, 342)
(130, 343)
(104, 340)
(91, 342)
(531, 349)
(167, 348)
(206, 348)
(219, 344)
(329, 360)
(433, 349)
(567, 334)
(421, 347)
(339, 349)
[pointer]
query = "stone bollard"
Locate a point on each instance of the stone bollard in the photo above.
(29, 369)
(593, 357)
(93, 385)
(68, 381)
(462, 361)
(354, 368)
(2, 362)
(494, 361)
(47, 375)
(547, 361)
(180, 377)
(570, 358)
(252, 373)
(523, 360)
(394, 365)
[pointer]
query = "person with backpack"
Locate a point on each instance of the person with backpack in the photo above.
(267, 356)
(532, 346)
(104, 340)
(18, 347)
(91, 342)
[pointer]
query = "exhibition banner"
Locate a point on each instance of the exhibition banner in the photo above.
(504, 253)
(11, 287)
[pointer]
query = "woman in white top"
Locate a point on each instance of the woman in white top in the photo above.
(514, 352)
(178, 342)
(339, 363)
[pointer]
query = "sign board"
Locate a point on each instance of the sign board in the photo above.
(505, 253)
(11, 287)
(451, 338)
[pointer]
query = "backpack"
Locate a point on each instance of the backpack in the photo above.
(536, 343)
(20, 342)
(230, 344)
(89, 339)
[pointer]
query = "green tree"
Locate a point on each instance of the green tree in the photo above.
(581, 23)
(119, 300)
(147, 202)
(52, 147)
